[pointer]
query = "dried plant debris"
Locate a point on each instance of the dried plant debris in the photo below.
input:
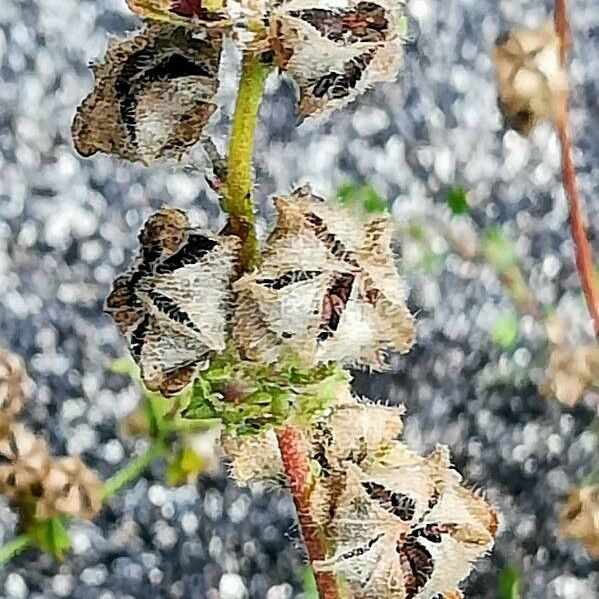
(171, 305)
(327, 289)
(571, 373)
(153, 95)
(13, 385)
(335, 51)
(70, 488)
(533, 84)
(24, 461)
(580, 518)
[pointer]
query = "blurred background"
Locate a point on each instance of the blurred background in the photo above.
(484, 243)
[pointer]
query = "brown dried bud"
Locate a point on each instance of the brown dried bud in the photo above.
(70, 489)
(13, 384)
(580, 518)
(171, 306)
(327, 289)
(24, 461)
(533, 84)
(153, 95)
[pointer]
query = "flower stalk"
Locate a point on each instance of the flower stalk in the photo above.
(582, 246)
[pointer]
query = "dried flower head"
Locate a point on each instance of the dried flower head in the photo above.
(580, 518)
(327, 289)
(13, 383)
(70, 488)
(532, 81)
(24, 461)
(171, 304)
(571, 373)
(153, 95)
(335, 50)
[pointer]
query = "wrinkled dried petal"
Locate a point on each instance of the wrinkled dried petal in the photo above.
(153, 95)
(171, 306)
(326, 290)
(335, 51)
(70, 489)
(13, 385)
(532, 82)
(580, 518)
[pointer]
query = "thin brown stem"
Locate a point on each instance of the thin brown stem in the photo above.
(294, 453)
(582, 246)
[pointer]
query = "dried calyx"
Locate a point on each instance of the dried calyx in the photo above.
(397, 525)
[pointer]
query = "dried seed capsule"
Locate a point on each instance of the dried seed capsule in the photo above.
(335, 51)
(533, 84)
(327, 290)
(153, 95)
(171, 306)
(13, 383)
(580, 518)
(24, 461)
(71, 489)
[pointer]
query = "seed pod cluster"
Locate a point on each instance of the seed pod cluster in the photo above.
(27, 469)
(398, 526)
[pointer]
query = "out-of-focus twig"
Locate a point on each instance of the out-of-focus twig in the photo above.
(582, 246)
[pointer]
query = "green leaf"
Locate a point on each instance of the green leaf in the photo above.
(505, 331)
(309, 583)
(457, 200)
(51, 536)
(509, 583)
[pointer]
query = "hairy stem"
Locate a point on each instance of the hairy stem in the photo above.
(240, 208)
(237, 202)
(294, 453)
(15, 547)
(582, 246)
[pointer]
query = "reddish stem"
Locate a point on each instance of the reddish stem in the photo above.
(582, 246)
(294, 453)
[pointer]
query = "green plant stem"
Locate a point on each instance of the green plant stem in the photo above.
(237, 202)
(14, 547)
(134, 469)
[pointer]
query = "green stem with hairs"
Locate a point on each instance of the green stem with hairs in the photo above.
(237, 201)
